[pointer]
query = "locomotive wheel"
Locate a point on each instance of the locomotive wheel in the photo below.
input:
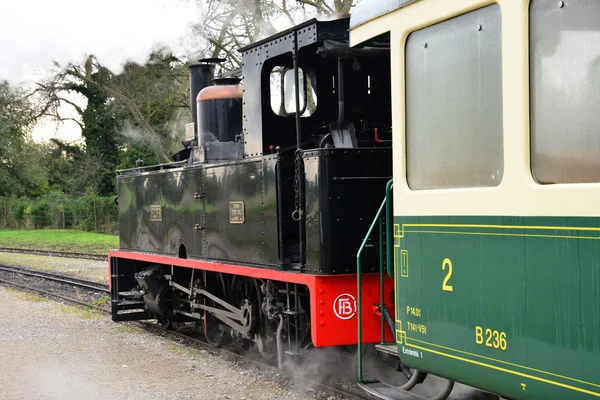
(166, 324)
(213, 332)
(246, 294)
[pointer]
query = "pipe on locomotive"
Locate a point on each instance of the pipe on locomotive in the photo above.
(299, 162)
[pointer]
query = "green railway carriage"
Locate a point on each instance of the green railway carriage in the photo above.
(496, 198)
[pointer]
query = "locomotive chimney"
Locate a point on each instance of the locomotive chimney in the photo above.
(201, 75)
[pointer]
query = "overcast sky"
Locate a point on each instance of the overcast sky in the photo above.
(34, 33)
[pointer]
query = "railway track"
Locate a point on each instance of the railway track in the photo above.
(53, 253)
(100, 287)
(103, 288)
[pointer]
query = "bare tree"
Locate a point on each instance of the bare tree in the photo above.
(231, 24)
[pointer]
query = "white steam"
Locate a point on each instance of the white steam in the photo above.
(36, 33)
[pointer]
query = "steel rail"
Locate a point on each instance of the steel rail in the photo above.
(100, 287)
(47, 293)
(53, 253)
(220, 351)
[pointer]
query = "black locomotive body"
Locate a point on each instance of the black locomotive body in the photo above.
(253, 233)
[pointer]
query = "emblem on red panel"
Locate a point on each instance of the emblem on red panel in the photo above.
(344, 306)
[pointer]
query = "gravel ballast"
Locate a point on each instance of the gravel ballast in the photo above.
(54, 351)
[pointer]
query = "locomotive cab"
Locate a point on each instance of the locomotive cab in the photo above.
(320, 178)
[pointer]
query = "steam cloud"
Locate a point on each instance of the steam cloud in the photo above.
(34, 33)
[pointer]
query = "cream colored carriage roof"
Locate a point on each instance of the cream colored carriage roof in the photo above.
(366, 10)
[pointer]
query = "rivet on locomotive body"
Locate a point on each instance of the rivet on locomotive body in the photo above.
(479, 27)
(321, 291)
(561, 4)
(322, 323)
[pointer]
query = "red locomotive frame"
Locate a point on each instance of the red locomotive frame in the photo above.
(333, 312)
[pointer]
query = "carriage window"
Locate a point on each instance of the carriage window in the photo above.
(454, 103)
(565, 87)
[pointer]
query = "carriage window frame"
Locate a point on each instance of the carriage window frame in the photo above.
(564, 148)
(426, 175)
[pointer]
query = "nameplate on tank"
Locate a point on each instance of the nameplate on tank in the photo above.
(236, 212)
(156, 213)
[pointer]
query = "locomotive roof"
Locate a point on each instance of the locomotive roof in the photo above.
(333, 29)
(367, 10)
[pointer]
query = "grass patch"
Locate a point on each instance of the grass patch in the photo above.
(81, 312)
(101, 301)
(23, 294)
(128, 329)
(60, 240)
(178, 349)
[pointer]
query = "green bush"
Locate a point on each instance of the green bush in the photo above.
(58, 211)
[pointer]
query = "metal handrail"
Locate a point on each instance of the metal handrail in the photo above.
(147, 168)
(389, 218)
(378, 220)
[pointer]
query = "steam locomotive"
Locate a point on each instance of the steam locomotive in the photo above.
(252, 231)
